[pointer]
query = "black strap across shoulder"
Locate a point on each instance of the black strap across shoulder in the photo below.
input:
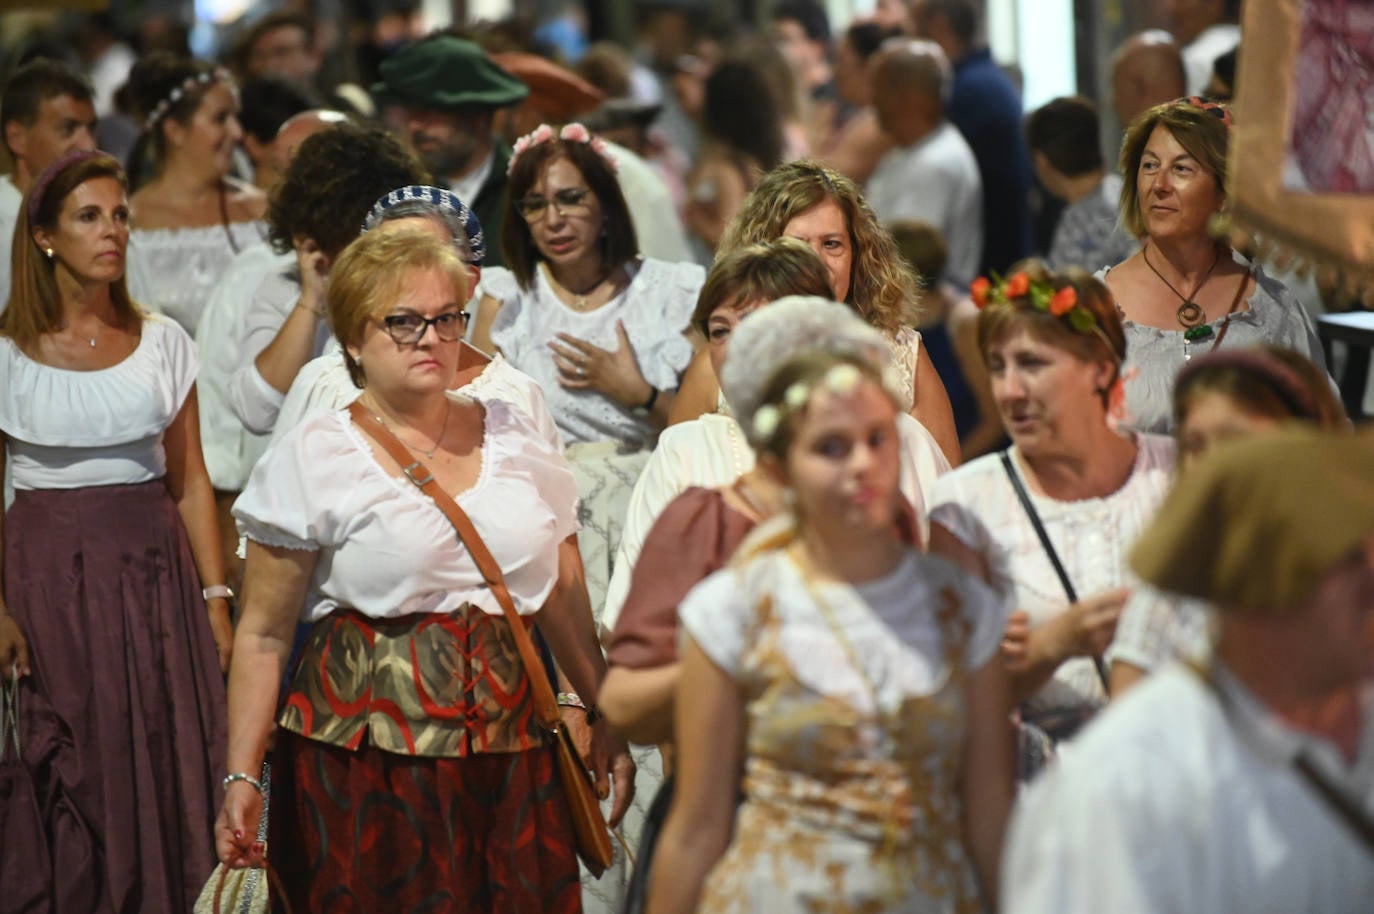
(1029, 507)
(1337, 800)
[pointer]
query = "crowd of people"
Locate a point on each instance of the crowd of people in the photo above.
(892, 541)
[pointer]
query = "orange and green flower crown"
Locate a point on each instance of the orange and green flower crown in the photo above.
(1040, 295)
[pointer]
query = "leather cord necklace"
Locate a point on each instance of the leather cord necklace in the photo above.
(1190, 314)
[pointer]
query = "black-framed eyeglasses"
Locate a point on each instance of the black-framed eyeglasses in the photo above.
(407, 329)
(570, 201)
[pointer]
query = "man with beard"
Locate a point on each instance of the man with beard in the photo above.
(443, 93)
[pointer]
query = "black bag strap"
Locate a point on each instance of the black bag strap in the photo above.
(1034, 516)
(1336, 799)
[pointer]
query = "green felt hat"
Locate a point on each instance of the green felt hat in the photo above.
(446, 72)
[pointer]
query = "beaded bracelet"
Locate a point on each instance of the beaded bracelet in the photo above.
(246, 778)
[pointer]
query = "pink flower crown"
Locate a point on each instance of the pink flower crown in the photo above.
(571, 133)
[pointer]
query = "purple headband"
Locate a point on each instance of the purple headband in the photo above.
(40, 186)
(1280, 378)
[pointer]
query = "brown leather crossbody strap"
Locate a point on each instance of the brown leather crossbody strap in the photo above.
(545, 705)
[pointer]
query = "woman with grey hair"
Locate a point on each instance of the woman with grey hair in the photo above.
(846, 684)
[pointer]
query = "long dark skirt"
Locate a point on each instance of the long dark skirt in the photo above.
(102, 582)
(363, 831)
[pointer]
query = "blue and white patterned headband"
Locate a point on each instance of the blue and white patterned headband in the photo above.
(433, 199)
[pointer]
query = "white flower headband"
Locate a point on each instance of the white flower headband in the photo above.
(839, 379)
(188, 85)
(571, 133)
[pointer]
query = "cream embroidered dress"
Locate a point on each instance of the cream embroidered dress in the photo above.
(850, 806)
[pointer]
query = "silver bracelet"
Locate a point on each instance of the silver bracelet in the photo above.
(217, 590)
(246, 778)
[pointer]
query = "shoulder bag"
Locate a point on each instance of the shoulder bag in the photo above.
(589, 826)
(1029, 507)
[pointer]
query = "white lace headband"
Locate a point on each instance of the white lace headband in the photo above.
(187, 86)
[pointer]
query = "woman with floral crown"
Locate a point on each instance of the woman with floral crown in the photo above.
(1048, 521)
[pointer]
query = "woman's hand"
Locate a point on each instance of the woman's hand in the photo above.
(615, 373)
(14, 650)
(607, 757)
(236, 827)
(615, 760)
(222, 628)
(1086, 628)
(1016, 642)
(314, 268)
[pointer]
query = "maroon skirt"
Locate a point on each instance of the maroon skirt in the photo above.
(355, 831)
(103, 585)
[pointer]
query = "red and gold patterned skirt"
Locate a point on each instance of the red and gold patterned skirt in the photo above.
(409, 774)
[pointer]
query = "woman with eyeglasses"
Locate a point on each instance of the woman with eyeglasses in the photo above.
(603, 329)
(409, 769)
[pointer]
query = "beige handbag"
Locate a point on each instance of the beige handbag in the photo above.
(242, 891)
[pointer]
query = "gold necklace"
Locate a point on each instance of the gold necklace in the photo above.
(429, 454)
(580, 299)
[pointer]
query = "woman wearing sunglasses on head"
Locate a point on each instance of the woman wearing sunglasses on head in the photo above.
(603, 329)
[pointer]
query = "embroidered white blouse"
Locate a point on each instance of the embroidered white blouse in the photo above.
(386, 550)
(977, 504)
(69, 429)
(656, 308)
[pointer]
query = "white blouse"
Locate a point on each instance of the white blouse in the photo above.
(323, 385)
(386, 550)
(977, 504)
(173, 271)
(656, 308)
(69, 429)
(710, 451)
(889, 622)
(256, 403)
(230, 448)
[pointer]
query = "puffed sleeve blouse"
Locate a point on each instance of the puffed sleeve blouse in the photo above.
(656, 309)
(386, 550)
(68, 429)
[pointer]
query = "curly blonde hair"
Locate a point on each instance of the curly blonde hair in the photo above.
(883, 287)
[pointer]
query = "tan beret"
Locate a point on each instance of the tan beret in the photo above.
(1258, 523)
